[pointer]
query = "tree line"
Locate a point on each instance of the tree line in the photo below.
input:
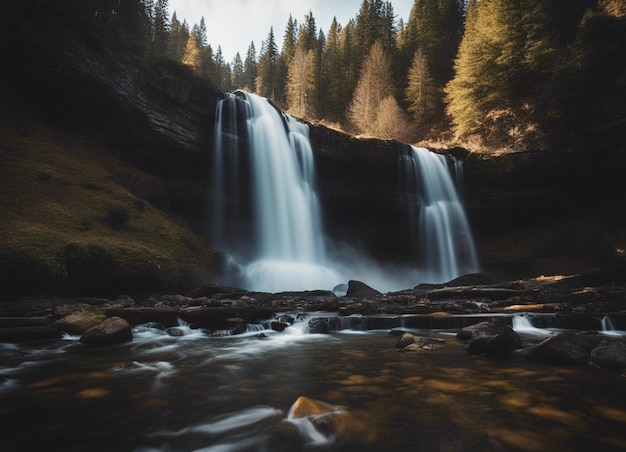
(499, 72)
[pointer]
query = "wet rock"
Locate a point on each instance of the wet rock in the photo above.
(396, 332)
(564, 348)
(405, 340)
(409, 342)
(610, 356)
(79, 322)
(493, 338)
(362, 308)
(65, 310)
(357, 289)
(331, 421)
(11, 358)
(29, 333)
(473, 279)
(319, 326)
(113, 330)
(472, 292)
(278, 326)
(175, 332)
(329, 304)
(167, 316)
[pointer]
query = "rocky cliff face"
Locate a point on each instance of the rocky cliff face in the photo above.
(530, 212)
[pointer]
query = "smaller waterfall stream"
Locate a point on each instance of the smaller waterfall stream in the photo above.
(442, 233)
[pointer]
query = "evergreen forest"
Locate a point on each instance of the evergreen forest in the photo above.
(489, 74)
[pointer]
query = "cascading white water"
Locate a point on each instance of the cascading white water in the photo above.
(288, 248)
(441, 229)
(267, 180)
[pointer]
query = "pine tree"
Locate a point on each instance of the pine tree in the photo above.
(239, 76)
(250, 68)
(333, 73)
(161, 34)
(391, 122)
(374, 85)
(191, 57)
(421, 93)
(178, 38)
(299, 83)
(488, 67)
(200, 32)
(266, 70)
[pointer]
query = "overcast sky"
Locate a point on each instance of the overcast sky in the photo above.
(233, 24)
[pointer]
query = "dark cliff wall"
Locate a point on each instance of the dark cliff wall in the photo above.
(530, 212)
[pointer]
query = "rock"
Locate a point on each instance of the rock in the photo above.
(406, 339)
(362, 308)
(331, 421)
(610, 356)
(29, 333)
(278, 326)
(492, 339)
(11, 358)
(409, 342)
(357, 289)
(113, 330)
(167, 316)
(79, 322)
(175, 332)
(564, 348)
(330, 303)
(317, 326)
(68, 309)
(472, 279)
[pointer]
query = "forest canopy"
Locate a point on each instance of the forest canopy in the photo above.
(485, 74)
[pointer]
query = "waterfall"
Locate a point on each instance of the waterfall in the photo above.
(441, 232)
(266, 213)
(287, 248)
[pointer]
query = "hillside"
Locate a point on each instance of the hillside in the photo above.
(77, 220)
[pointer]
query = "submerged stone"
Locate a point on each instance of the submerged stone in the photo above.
(491, 339)
(113, 330)
(564, 348)
(610, 356)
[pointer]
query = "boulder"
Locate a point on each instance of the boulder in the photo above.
(333, 422)
(278, 326)
(167, 316)
(564, 348)
(175, 332)
(29, 333)
(319, 325)
(330, 303)
(410, 342)
(493, 338)
(610, 356)
(361, 308)
(113, 330)
(357, 289)
(79, 322)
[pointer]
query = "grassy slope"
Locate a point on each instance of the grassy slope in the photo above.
(68, 225)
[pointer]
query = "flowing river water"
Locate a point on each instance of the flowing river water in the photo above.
(198, 392)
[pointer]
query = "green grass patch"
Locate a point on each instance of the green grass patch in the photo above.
(69, 225)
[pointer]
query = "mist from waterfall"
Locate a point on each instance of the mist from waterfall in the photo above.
(266, 212)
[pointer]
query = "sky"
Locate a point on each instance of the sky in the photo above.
(233, 24)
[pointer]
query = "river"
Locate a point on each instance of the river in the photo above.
(197, 392)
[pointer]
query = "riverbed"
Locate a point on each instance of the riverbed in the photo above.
(234, 393)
